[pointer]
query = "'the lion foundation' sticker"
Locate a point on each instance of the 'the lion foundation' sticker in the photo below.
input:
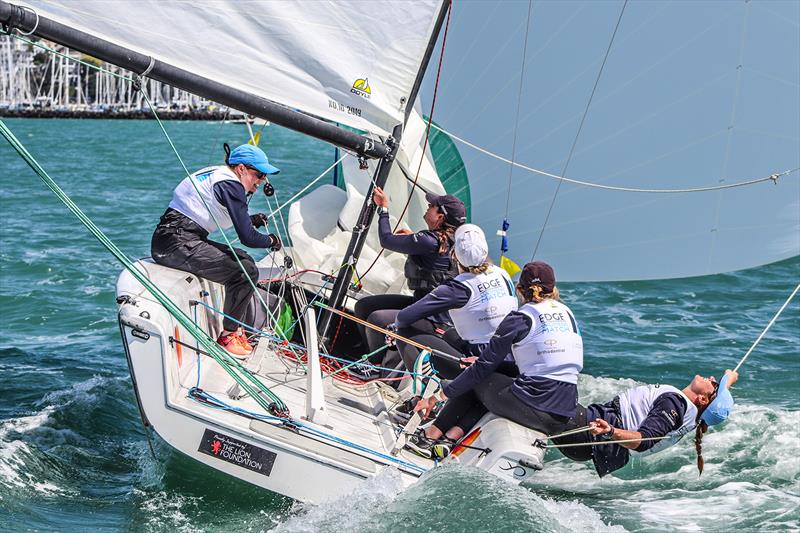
(237, 452)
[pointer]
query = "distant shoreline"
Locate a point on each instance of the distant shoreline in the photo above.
(119, 115)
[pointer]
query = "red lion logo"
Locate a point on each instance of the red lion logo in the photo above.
(216, 446)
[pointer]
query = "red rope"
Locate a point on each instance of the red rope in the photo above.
(424, 144)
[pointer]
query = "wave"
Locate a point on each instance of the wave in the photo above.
(41, 452)
(750, 476)
(449, 498)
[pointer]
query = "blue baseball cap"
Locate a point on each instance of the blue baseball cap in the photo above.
(247, 154)
(720, 408)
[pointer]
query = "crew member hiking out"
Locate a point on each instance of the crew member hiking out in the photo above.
(546, 344)
(210, 199)
(428, 263)
(649, 418)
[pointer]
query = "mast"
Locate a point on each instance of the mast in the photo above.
(26, 20)
(367, 214)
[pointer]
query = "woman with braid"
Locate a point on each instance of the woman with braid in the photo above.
(428, 263)
(648, 419)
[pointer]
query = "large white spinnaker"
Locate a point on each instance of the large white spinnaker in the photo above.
(692, 94)
(350, 62)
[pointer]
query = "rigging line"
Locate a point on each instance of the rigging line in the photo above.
(212, 150)
(772, 177)
(304, 189)
(519, 101)
(729, 140)
(424, 143)
(612, 92)
(158, 120)
(208, 208)
(229, 364)
(600, 443)
(767, 328)
(155, 114)
(580, 128)
(77, 60)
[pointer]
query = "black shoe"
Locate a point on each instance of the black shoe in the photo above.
(364, 372)
(406, 409)
(428, 448)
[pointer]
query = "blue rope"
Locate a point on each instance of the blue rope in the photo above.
(197, 394)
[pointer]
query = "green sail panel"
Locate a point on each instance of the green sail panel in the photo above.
(450, 166)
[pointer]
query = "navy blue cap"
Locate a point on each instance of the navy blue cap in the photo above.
(253, 156)
(451, 207)
(720, 408)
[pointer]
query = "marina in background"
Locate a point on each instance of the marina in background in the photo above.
(37, 84)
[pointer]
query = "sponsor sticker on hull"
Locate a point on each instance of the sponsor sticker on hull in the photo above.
(236, 452)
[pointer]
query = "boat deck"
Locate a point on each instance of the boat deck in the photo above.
(355, 414)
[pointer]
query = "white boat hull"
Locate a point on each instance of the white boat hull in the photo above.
(311, 463)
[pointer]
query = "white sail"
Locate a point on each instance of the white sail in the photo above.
(350, 62)
(692, 94)
(320, 224)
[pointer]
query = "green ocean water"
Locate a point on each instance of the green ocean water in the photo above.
(73, 455)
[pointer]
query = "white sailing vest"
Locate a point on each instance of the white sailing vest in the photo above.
(186, 200)
(635, 405)
(491, 299)
(553, 348)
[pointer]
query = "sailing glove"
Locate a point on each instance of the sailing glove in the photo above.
(275, 242)
(259, 220)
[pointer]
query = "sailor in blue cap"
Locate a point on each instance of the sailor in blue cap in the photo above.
(210, 199)
(648, 419)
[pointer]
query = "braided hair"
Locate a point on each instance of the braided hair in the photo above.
(699, 431)
(702, 427)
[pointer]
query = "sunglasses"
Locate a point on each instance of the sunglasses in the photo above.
(716, 389)
(260, 175)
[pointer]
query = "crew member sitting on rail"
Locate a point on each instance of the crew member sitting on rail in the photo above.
(648, 419)
(428, 263)
(209, 199)
(476, 300)
(545, 341)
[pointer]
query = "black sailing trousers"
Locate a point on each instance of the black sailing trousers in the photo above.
(181, 243)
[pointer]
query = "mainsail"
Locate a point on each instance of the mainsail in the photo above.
(353, 63)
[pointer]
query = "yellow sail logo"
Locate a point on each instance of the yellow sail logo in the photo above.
(361, 88)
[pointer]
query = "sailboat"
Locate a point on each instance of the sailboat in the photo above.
(351, 74)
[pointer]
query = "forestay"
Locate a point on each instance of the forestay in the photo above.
(347, 61)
